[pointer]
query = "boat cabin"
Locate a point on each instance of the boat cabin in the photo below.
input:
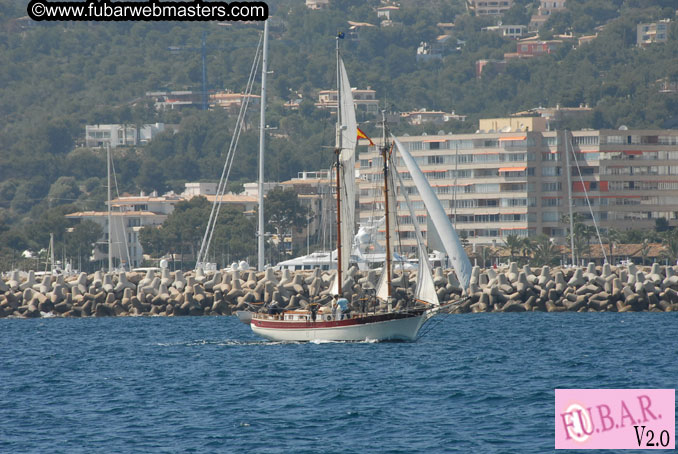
(298, 316)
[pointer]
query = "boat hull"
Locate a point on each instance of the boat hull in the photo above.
(371, 328)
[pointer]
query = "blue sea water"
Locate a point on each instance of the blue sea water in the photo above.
(477, 383)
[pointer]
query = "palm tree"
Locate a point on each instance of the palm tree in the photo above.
(512, 244)
(526, 248)
(578, 235)
(613, 237)
(670, 242)
(545, 252)
(645, 249)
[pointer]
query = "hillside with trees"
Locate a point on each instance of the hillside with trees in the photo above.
(60, 76)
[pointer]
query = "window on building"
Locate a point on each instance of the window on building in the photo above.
(550, 171)
(586, 140)
(550, 216)
(552, 187)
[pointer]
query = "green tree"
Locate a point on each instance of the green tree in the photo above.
(283, 211)
(516, 15)
(184, 229)
(513, 244)
(80, 242)
(63, 191)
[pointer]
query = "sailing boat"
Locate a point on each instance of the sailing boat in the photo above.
(404, 321)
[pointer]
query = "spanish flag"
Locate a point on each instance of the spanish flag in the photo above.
(362, 135)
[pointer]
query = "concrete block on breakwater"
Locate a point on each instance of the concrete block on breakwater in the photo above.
(589, 289)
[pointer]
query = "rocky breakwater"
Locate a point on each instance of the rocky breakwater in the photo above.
(589, 289)
(168, 293)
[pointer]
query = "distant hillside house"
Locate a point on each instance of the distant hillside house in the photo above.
(419, 117)
(556, 115)
(364, 100)
(317, 4)
(512, 124)
(121, 135)
(175, 99)
(354, 29)
(586, 39)
(498, 66)
(489, 7)
(653, 32)
(508, 31)
(667, 86)
(546, 8)
(443, 45)
(232, 101)
(385, 14)
(533, 48)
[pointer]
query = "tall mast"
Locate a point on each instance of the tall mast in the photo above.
(385, 156)
(337, 152)
(569, 195)
(262, 138)
(110, 230)
(51, 253)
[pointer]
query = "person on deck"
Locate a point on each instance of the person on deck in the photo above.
(342, 307)
(314, 310)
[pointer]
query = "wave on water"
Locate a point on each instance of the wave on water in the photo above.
(223, 343)
(244, 343)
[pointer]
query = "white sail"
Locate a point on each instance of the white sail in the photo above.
(450, 239)
(426, 290)
(433, 240)
(334, 286)
(392, 207)
(382, 286)
(349, 138)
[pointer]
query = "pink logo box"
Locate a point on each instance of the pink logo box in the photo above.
(615, 418)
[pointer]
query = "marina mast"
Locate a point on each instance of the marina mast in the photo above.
(337, 151)
(262, 139)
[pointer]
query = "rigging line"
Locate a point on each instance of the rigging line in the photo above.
(211, 223)
(230, 164)
(586, 195)
(396, 229)
(231, 151)
(122, 221)
(221, 186)
(432, 324)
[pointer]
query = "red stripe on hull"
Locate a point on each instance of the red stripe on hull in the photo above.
(281, 324)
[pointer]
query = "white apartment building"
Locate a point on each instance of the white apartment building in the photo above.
(365, 101)
(121, 135)
(489, 7)
(545, 10)
(508, 31)
(654, 32)
(494, 184)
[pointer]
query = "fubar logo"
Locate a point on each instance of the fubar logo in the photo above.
(615, 418)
